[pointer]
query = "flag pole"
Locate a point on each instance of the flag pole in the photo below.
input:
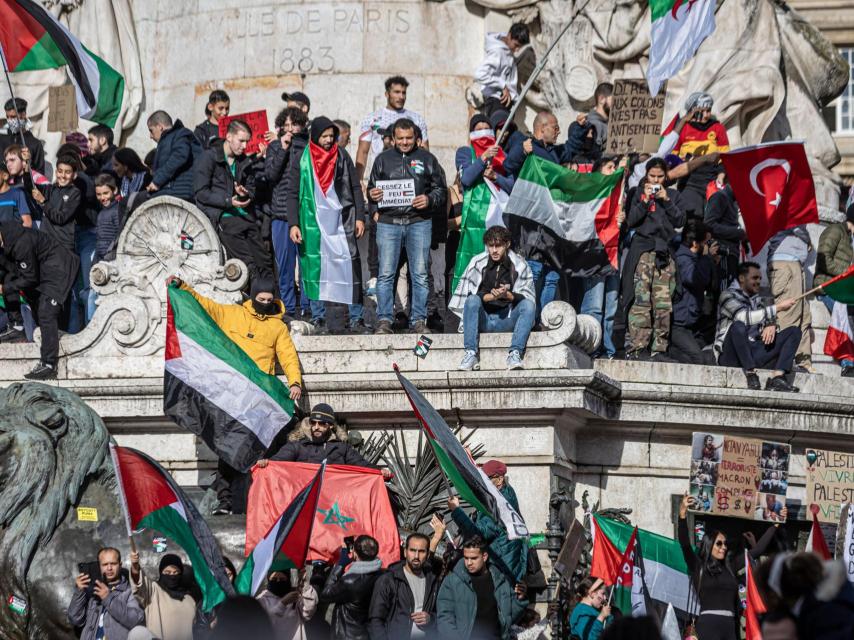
(14, 100)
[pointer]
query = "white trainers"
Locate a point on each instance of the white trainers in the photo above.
(514, 360)
(470, 362)
(371, 289)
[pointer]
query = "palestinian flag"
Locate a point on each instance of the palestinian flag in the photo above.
(628, 587)
(816, 541)
(678, 29)
(665, 574)
(328, 256)
(569, 217)
(32, 40)
(289, 536)
(841, 288)
(467, 478)
(755, 605)
(213, 389)
(839, 340)
(151, 499)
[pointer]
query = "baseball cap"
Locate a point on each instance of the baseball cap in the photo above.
(296, 96)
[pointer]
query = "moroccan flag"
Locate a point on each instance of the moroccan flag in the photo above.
(755, 606)
(839, 340)
(841, 288)
(151, 499)
(289, 536)
(468, 479)
(213, 389)
(570, 217)
(32, 40)
(328, 256)
(628, 586)
(773, 186)
(665, 574)
(353, 501)
(678, 29)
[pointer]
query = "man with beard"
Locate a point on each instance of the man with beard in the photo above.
(168, 604)
(107, 608)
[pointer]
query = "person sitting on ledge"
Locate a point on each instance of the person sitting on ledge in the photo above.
(495, 294)
(747, 334)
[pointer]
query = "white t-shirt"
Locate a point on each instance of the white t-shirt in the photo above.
(383, 119)
(418, 586)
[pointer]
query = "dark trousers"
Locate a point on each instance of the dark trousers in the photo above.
(373, 252)
(710, 627)
(684, 345)
(242, 240)
(46, 313)
(739, 351)
(232, 487)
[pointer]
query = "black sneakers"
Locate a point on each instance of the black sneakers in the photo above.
(42, 371)
(11, 334)
(779, 383)
(320, 328)
(359, 327)
(753, 381)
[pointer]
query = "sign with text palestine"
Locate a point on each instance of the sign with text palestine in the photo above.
(257, 121)
(634, 123)
(739, 477)
(830, 482)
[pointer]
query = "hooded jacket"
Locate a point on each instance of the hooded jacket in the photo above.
(423, 169)
(172, 169)
(121, 611)
(498, 68)
(351, 593)
(214, 185)
(265, 339)
(165, 616)
(333, 450)
(31, 260)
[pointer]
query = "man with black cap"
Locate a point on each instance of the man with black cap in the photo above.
(297, 99)
(17, 124)
(326, 216)
(258, 328)
(167, 601)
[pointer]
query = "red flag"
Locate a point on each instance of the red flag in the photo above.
(607, 558)
(755, 606)
(816, 543)
(481, 141)
(353, 501)
(774, 188)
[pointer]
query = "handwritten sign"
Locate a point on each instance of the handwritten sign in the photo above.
(61, 108)
(830, 482)
(87, 514)
(739, 477)
(257, 121)
(634, 124)
(396, 193)
(570, 553)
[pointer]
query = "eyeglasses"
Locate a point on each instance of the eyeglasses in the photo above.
(317, 423)
(720, 543)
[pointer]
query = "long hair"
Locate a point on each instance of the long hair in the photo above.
(712, 565)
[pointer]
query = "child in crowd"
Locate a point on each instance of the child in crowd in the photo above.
(13, 204)
(109, 223)
(60, 202)
(217, 107)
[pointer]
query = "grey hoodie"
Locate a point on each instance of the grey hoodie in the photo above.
(498, 68)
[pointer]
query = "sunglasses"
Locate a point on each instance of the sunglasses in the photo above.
(315, 423)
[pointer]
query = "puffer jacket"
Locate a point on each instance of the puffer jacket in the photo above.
(420, 166)
(835, 253)
(173, 162)
(121, 612)
(265, 339)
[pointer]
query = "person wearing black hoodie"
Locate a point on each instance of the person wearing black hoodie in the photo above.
(35, 265)
(177, 148)
(338, 262)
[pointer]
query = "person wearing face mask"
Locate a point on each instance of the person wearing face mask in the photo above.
(168, 603)
(257, 328)
(591, 614)
(18, 124)
(581, 147)
(289, 607)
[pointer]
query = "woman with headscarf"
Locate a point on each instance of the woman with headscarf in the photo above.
(131, 170)
(168, 602)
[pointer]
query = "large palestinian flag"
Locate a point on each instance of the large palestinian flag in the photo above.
(151, 499)
(678, 29)
(33, 40)
(213, 389)
(468, 479)
(329, 259)
(665, 573)
(569, 217)
(289, 536)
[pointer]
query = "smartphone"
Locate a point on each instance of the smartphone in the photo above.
(91, 569)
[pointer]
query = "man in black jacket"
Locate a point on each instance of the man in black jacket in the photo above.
(225, 189)
(34, 265)
(407, 225)
(721, 217)
(177, 148)
(61, 203)
(351, 592)
(16, 123)
(404, 600)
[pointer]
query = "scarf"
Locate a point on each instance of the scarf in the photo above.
(481, 141)
(361, 567)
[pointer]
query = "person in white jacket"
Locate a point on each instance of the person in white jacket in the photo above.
(497, 74)
(289, 607)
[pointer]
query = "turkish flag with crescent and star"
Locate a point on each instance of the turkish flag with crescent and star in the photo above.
(774, 188)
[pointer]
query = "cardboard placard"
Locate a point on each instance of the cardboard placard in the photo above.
(830, 482)
(634, 124)
(739, 477)
(396, 193)
(61, 108)
(570, 552)
(257, 121)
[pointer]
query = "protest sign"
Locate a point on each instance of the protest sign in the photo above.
(570, 553)
(257, 121)
(830, 482)
(396, 193)
(739, 477)
(634, 123)
(61, 108)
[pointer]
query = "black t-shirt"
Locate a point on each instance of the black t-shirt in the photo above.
(494, 275)
(486, 625)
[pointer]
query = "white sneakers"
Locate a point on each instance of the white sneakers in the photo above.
(471, 362)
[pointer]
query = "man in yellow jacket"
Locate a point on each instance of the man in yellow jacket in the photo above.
(257, 327)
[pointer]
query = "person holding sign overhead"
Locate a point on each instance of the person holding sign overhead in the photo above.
(406, 185)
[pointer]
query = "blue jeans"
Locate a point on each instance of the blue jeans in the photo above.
(285, 252)
(85, 239)
(318, 311)
(602, 292)
(828, 302)
(519, 320)
(545, 283)
(415, 239)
